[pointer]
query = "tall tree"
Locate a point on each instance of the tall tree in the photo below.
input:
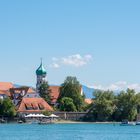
(45, 92)
(103, 106)
(71, 88)
(127, 104)
(66, 104)
(138, 100)
(7, 108)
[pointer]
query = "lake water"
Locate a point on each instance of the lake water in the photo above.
(69, 132)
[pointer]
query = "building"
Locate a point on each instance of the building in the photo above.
(27, 100)
(5, 89)
(33, 105)
(41, 76)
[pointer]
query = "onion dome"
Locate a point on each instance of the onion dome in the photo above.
(41, 70)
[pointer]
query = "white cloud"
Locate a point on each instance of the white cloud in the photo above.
(118, 86)
(54, 65)
(73, 60)
(135, 86)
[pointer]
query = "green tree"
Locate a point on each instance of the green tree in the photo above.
(46, 113)
(7, 108)
(45, 92)
(138, 100)
(103, 106)
(71, 88)
(127, 104)
(66, 104)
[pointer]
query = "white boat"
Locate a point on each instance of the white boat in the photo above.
(127, 123)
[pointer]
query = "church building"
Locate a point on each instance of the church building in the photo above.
(41, 76)
(32, 102)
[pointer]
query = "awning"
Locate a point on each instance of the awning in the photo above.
(36, 115)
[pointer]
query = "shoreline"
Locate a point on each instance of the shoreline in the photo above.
(81, 122)
(66, 122)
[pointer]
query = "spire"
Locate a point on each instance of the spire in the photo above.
(41, 60)
(41, 70)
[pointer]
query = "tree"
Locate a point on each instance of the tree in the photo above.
(44, 92)
(138, 100)
(7, 108)
(127, 104)
(108, 107)
(46, 113)
(66, 104)
(71, 88)
(103, 106)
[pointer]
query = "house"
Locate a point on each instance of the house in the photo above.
(5, 89)
(28, 101)
(5, 86)
(55, 91)
(33, 105)
(25, 99)
(4, 94)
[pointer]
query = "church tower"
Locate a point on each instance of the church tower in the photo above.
(41, 76)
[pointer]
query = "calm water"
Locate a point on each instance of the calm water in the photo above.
(69, 132)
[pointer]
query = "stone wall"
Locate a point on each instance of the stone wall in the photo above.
(138, 117)
(70, 115)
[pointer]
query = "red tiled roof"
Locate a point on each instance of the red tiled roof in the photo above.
(33, 105)
(5, 86)
(88, 101)
(54, 93)
(5, 92)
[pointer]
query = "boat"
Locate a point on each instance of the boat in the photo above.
(127, 123)
(2, 121)
(138, 123)
(20, 121)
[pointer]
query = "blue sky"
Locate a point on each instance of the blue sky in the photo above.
(96, 40)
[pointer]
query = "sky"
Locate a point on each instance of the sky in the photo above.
(98, 41)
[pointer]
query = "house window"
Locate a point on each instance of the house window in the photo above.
(28, 107)
(41, 107)
(35, 107)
